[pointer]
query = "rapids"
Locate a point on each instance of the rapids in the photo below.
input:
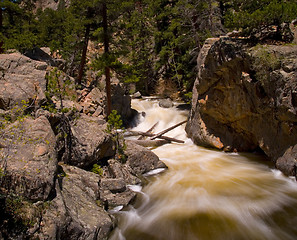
(207, 194)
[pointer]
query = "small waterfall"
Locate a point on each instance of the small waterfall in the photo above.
(207, 194)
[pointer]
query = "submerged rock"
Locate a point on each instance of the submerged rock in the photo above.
(166, 103)
(244, 98)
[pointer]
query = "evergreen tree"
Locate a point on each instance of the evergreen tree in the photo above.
(18, 25)
(257, 15)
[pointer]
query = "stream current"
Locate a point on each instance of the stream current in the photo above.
(207, 194)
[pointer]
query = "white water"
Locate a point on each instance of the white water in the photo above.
(207, 194)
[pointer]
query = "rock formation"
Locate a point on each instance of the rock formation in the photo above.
(52, 4)
(244, 98)
(21, 79)
(50, 138)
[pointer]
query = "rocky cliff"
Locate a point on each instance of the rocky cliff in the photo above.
(53, 4)
(245, 98)
(51, 136)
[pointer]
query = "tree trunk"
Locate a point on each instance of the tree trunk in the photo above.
(106, 51)
(83, 55)
(1, 26)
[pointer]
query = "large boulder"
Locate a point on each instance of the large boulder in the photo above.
(141, 160)
(121, 102)
(245, 98)
(288, 162)
(114, 192)
(90, 142)
(21, 79)
(166, 103)
(75, 213)
(28, 158)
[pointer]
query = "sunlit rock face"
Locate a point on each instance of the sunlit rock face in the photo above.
(53, 4)
(246, 98)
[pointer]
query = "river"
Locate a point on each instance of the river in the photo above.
(207, 194)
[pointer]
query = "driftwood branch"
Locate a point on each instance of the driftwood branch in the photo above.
(136, 133)
(148, 131)
(151, 143)
(159, 135)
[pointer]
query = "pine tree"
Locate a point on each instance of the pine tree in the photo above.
(257, 15)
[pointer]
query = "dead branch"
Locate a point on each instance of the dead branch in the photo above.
(151, 143)
(158, 135)
(136, 133)
(148, 131)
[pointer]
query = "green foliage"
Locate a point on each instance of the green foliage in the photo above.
(188, 96)
(264, 62)
(148, 40)
(2, 174)
(250, 15)
(114, 124)
(97, 169)
(18, 27)
(114, 121)
(59, 87)
(18, 208)
(11, 133)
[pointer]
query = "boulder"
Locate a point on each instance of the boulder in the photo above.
(42, 55)
(112, 200)
(114, 192)
(117, 170)
(140, 159)
(121, 102)
(75, 213)
(137, 95)
(93, 102)
(90, 141)
(288, 162)
(115, 185)
(245, 98)
(21, 79)
(166, 103)
(29, 158)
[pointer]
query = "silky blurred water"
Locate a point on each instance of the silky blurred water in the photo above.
(207, 194)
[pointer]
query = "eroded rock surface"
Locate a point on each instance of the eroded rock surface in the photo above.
(141, 160)
(29, 158)
(50, 200)
(75, 212)
(245, 98)
(21, 79)
(91, 142)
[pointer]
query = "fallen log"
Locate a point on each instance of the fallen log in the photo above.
(151, 143)
(159, 135)
(136, 133)
(149, 131)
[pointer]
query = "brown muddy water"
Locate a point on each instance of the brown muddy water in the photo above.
(207, 194)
